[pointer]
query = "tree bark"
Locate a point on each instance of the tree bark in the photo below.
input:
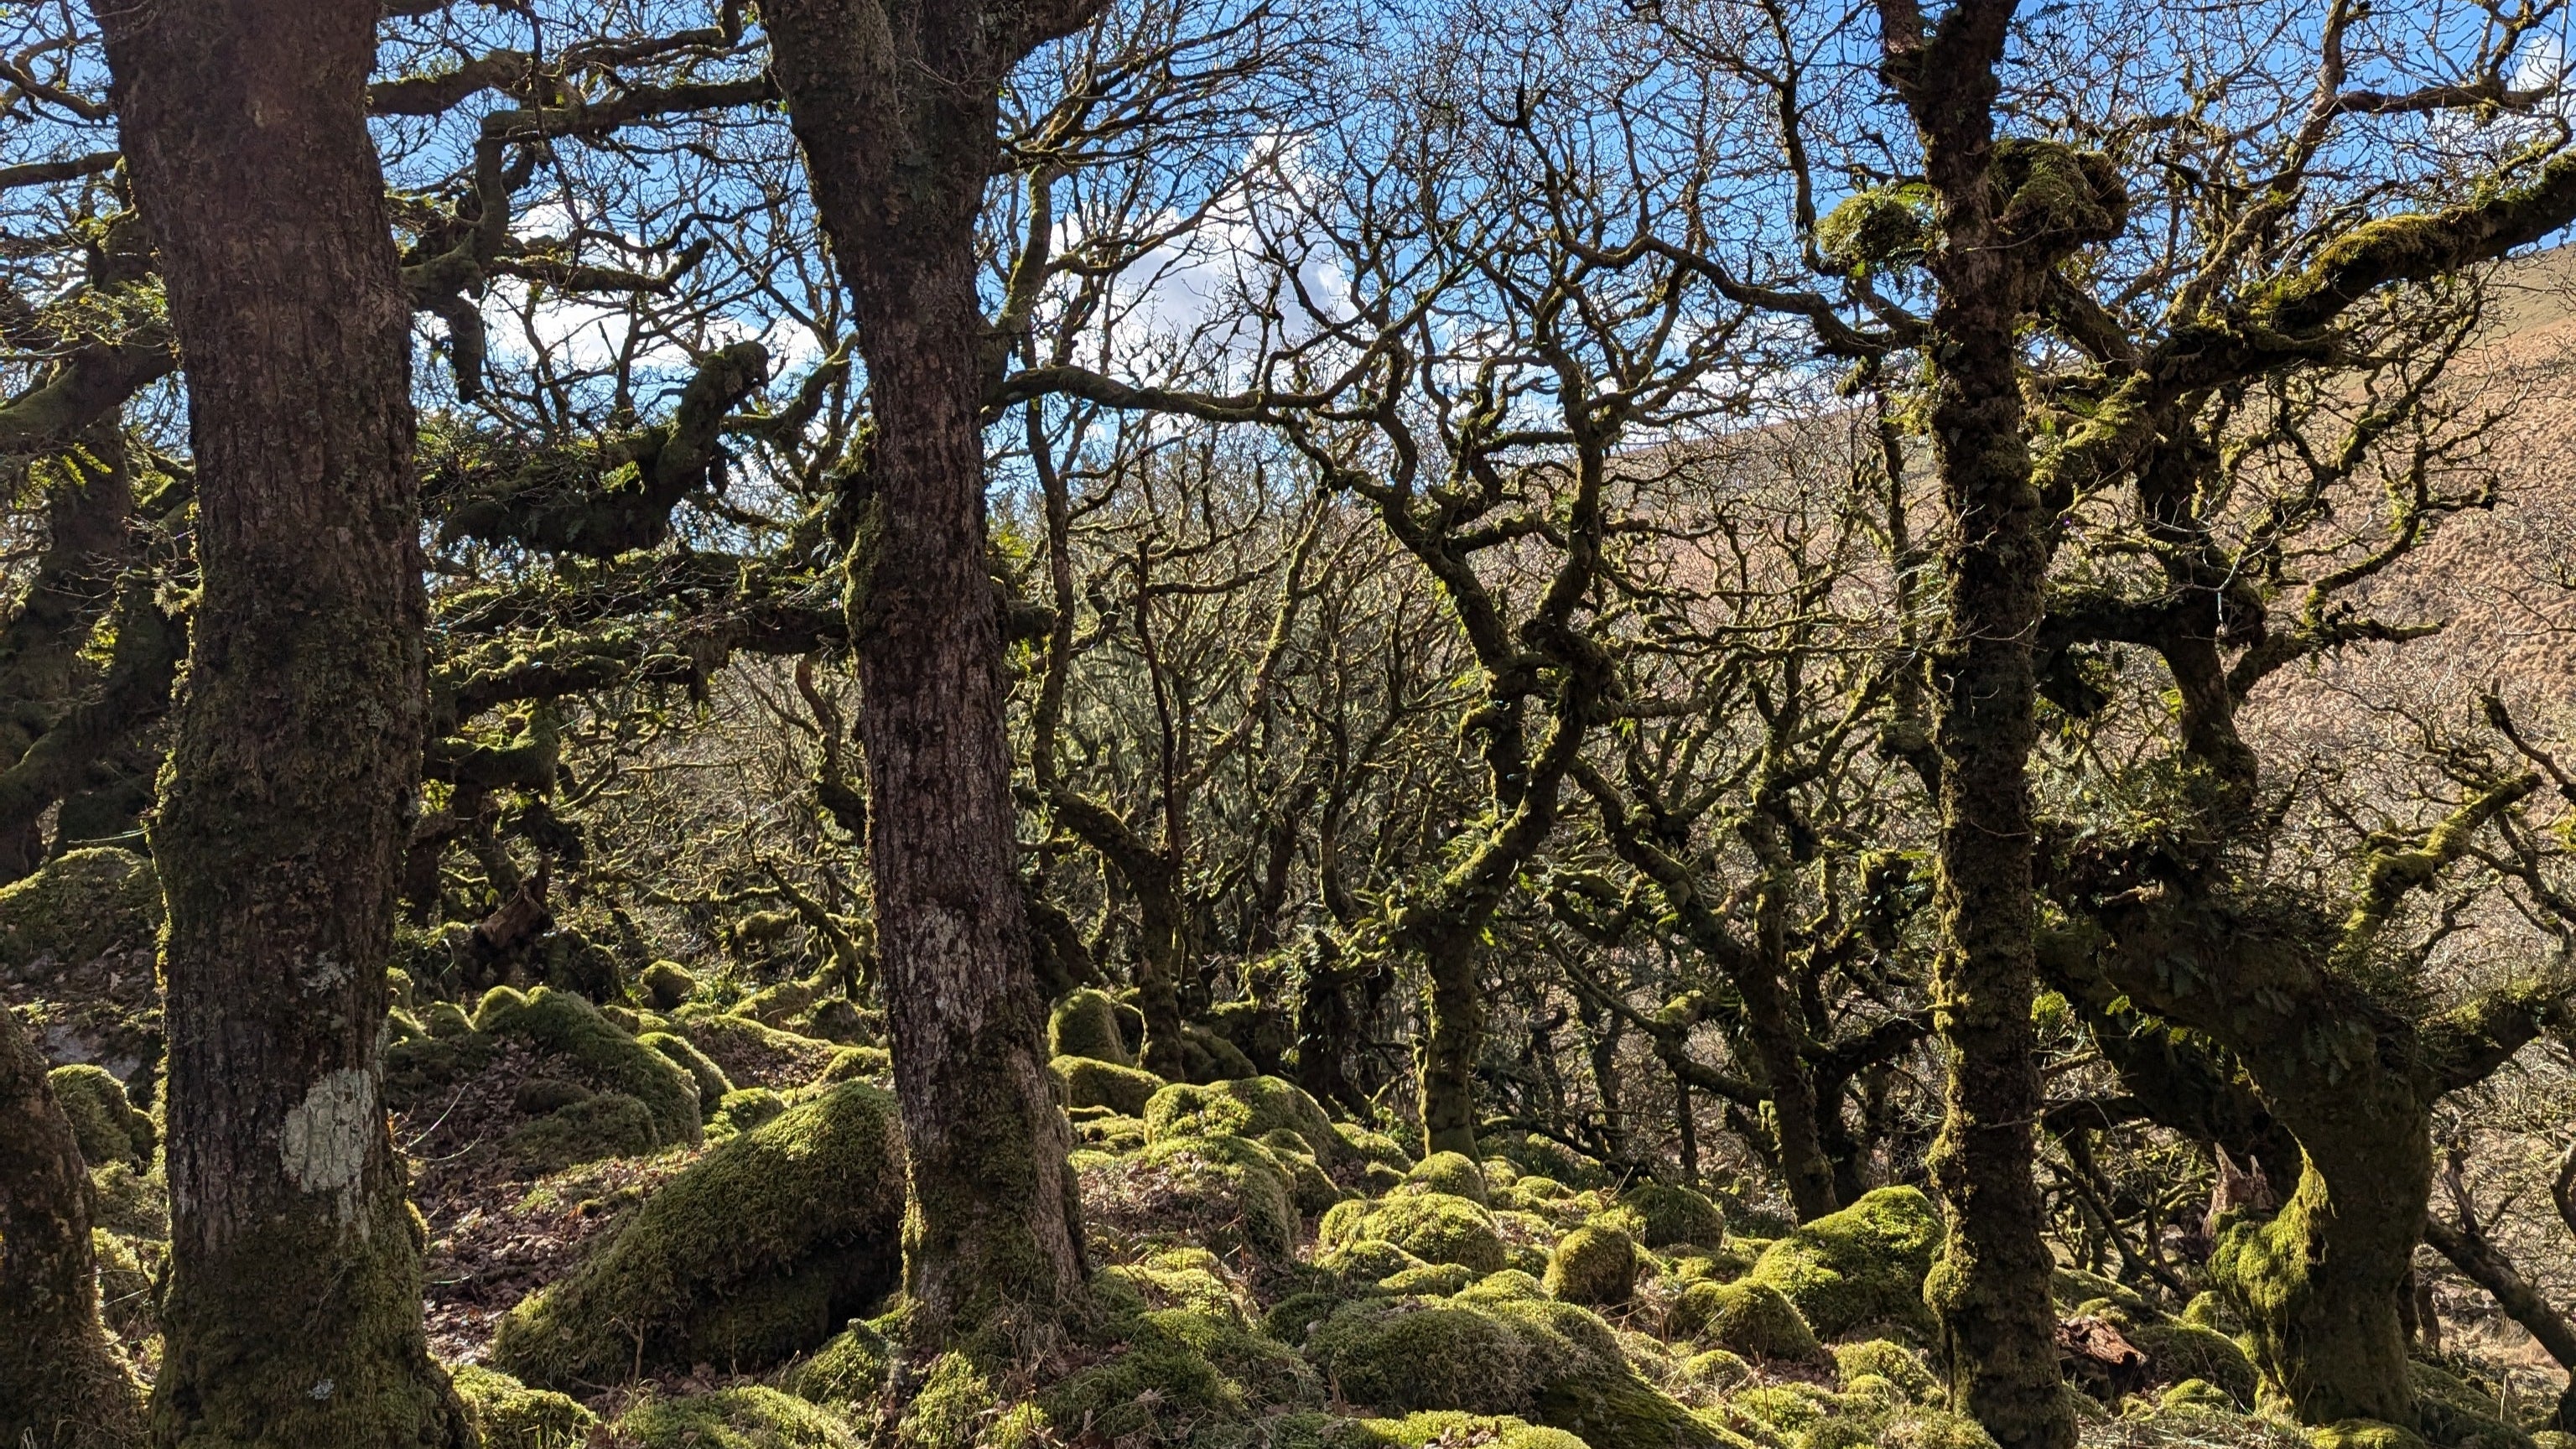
(896, 105)
(61, 1380)
(293, 1313)
(1990, 1289)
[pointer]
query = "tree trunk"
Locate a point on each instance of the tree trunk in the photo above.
(1454, 1004)
(896, 107)
(61, 1380)
(1990, 1290)
(293, 1313)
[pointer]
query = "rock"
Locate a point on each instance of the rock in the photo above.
(1435, 1227)
(609, 1124)
(710, 1080)
(1863, 1265)
(759, 1250)
(510, 1415)
(744, 1108)
(1748, 1318)
(539, 1095)
(1593, 1266)
(103, 1121)
(1666, 1215)
(1220, 1191)
(1249, 1107)
(1091, 1082)
(1085, 1024)
(849, 1367)
(742, 1418)
(1454, 1173)
(562, 1025)
(667, 985)
(78, 907)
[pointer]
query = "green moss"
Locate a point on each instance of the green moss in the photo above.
(563, 1025)
(1750, 1318)
(102, 1118)
(1438, 1280)
(537, 1096)
(416, 1070)
(1367, 1260)
(710, 1080)
(125, 1283)
(1208, 1058)
(2364, 1434)
(1668, 1215)
(849, 1367)
(745, 1108)
(1860, 1266)
(78, 907)
(1878, 228)
(1090, 1082)
(1366, 1146)
(1174, 1373)
(1085, 1024)
(1398, 1355)
(755, 1252)
(1221, 1192)
(445, 1020)
(610, 1124)
(1433, 1226)
(1249, 1107)
(1454, 1173)
(1890, 1361)
(753, 1052)
(2177, 1349)
(744, 1418)
(510, 1415)
(1595, 1266)
(1439, 1428)
(1109, 1132)
(954, 1405)
(667, 984)
(1715, 1369)
(858, 1064)
(131, 1202)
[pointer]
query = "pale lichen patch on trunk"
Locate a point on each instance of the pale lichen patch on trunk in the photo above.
(324, 1138)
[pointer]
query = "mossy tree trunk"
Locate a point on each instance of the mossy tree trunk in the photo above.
(896, 105)
(1990, 1289)
(61, 1381)
(293, 1313)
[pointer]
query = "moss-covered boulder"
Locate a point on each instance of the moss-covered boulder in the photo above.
(102, 1117)
(1090, 1082)
(510, 1415)
(1860, 1266)
(78, 907)
(1208, 1058)
(1596, 1266)
(599, 1126)
(667, 985)
(1501, 1348)
(744, 1108)
(1433, 1226)
(1891, 1362)
(1172, 1373)
(563, 1026)
(758, 1251)
(1364, 1261)
(1666, 1215)
(1221, 1192)
(753, 1053)
(849, 1367)
(1454, 1173)
(2178, 1350)
(710, 1080)
(445, 1020)
(131, 1202)
(1398, 1355)
(1366, 1145)
(1744, 1317)
(1249, 1107)
(1085, 1024)
(744, 1418)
